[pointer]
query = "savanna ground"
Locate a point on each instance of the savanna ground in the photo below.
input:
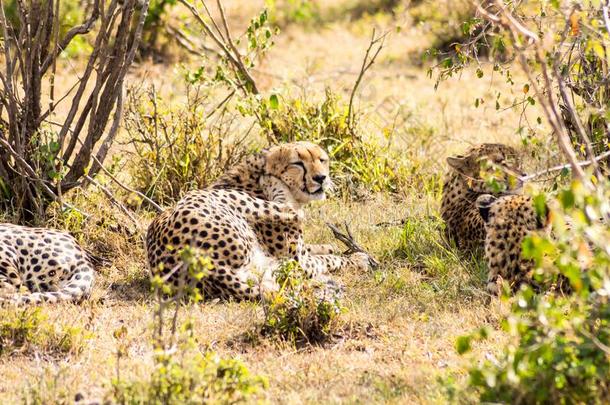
(397, 339)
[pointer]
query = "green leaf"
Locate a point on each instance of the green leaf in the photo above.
(567, 199)
(462, 345)
(274, 102)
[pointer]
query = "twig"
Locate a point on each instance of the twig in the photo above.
(352, 246)
(367, 62)
(561, 167)
(156, 206)
(113, 200)
(233, 56)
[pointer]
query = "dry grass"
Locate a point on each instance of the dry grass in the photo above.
(402, 319)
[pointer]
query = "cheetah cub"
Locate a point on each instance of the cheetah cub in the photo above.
(49, 264)
(247, 222)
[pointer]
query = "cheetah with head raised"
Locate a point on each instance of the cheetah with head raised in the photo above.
(508, 220)
(49, 264)
(464, 183)
(247, 222)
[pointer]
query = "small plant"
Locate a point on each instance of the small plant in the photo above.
(559, 345)
(426, 250)
(191, 378)
(302, 311)
(50, 386)
(28, 332)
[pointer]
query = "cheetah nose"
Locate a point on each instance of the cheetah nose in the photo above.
(319, 178)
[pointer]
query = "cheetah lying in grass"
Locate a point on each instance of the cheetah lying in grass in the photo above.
(496, 217)
(248, 222)
(49, 264)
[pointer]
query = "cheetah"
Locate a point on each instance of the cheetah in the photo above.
(508, 220)
(48, 263)
(465, 182)
(248, 222)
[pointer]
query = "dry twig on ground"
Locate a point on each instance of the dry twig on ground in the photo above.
(350, 242)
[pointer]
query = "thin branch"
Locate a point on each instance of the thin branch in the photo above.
(113, 200)
(367, 62)
(565, 166)
(156, 206)
(233, 57)
(70, 35)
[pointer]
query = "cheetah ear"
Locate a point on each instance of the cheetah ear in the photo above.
(484, 203)
(457, 162)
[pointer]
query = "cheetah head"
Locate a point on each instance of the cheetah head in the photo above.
(303, 167)
(489, 168)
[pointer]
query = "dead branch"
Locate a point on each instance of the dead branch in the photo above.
(350, 242)
(558, 168)
(156, 206)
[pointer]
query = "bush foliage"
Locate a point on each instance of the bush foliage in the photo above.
(176, 149)
(304, 310)
(559, 347)
(28, 331)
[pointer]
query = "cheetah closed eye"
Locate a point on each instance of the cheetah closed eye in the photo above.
(247, 222)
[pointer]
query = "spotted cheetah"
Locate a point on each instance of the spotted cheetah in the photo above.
(465, 181)
(48, 263)
(508, 220)
(247, 222)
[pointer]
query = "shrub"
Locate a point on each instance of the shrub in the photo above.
(175, 148)
(358, 165)
(34, 169)
(194, 378)
(558, 350)
(26, 331)
(304, 311)
(286, 12)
